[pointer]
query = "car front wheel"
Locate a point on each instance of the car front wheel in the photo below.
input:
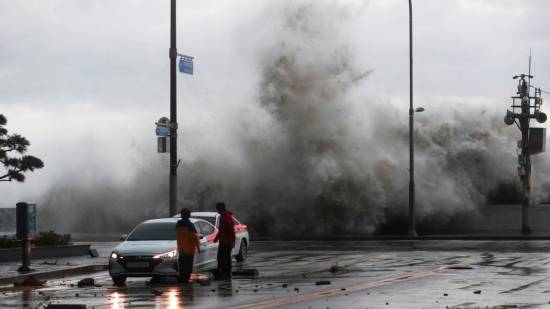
(242, 252)
(119, 280)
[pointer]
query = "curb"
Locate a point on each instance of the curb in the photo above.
(14, 254)
(59, 273)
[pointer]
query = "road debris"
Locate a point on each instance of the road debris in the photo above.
(86, 282)
(335, 268)
(477, 292)
(30, 281)
(322, 282)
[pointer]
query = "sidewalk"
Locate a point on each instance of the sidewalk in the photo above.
(59, 267)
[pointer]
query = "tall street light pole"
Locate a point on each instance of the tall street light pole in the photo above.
(412, 224)
(173, 196)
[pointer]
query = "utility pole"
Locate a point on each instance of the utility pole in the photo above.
(532, 139)
(173, 194)
(412, 223)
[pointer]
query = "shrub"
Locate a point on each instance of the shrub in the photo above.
(51, 238)
(8, 241)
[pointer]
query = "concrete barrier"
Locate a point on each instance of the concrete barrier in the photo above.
(14, 254)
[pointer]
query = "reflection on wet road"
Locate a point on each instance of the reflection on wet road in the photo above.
(364, 275)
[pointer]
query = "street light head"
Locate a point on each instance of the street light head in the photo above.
(419, 109)
(541, 117)
(509, 118)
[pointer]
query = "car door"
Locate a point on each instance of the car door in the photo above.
(200, 257)
(211, 248)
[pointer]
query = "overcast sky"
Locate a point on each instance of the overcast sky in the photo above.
(85, 81)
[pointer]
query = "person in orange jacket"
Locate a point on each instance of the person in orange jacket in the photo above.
(226, 238)
(188, 242)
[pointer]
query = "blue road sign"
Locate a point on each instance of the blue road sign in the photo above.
(186, 65)
(163, 131)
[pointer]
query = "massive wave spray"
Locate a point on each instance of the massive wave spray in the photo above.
(312, 155)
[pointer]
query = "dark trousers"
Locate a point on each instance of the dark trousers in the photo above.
(185, 267)
(224, 262)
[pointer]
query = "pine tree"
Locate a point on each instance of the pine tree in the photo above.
(12, 155)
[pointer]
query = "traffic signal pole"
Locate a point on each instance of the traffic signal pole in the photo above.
(173, 195)
(528, 145)
(525, 162)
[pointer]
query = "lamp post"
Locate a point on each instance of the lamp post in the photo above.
(412, 223)
(173, 180)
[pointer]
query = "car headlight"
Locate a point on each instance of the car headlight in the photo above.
(114, 256)
(167, 255)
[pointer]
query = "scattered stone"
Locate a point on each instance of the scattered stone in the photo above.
(86, 282)
(477, 292)
(76, 295)
(322, 282)
(445, 294)
(335, 268)
(94, 253)
(50, 263)
(30, 281)
(157, 292)
(213, 290)
(255, 290)
(342, 289)
(204, 282)
(387, 304)
(285, 285)
(297, 290)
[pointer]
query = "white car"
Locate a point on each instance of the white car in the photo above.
(242, 241)
(151, 250)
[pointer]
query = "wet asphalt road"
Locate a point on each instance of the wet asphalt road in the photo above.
(370, 274)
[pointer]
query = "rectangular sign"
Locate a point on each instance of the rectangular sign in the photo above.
(186, 65)
(25, 220)
(162, 131)
(31, 221)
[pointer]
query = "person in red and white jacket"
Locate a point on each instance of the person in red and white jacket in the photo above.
(226, 238)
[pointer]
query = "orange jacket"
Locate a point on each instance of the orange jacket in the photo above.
(187, 238)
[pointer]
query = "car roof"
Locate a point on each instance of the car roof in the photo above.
(205, 213)
(165, 220)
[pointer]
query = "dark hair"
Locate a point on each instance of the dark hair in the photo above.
(220, 206)
(185, 213)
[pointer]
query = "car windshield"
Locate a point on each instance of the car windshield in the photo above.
(211, 220)
(154, 231)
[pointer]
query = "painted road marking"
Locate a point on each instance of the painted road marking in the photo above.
(278, 302)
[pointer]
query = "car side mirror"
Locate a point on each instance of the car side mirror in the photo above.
(123, 237)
